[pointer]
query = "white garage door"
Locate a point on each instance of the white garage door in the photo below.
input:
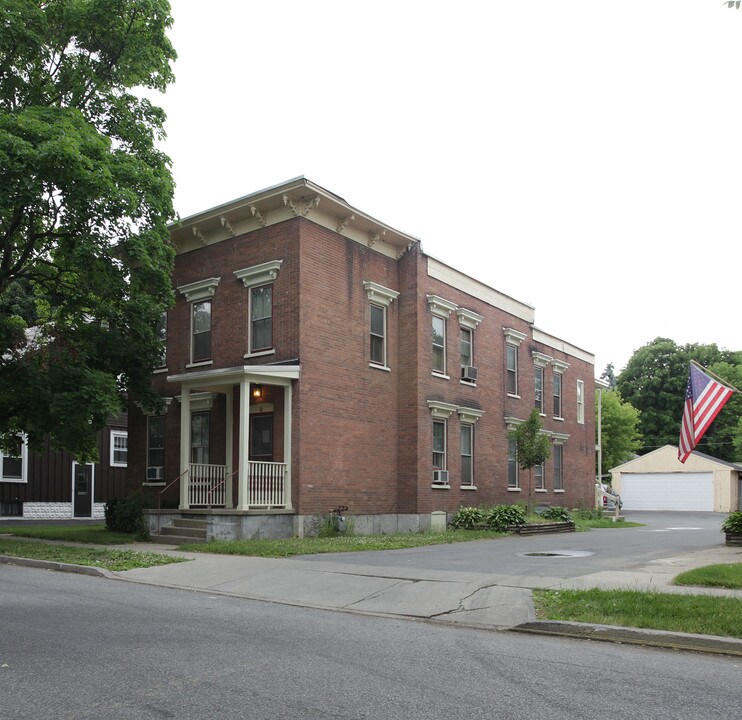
(667, 491)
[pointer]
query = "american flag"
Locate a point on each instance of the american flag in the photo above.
(704, 398)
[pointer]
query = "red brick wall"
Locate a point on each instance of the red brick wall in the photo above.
(362, 436)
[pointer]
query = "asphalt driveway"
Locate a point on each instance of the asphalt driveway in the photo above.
(665, 534)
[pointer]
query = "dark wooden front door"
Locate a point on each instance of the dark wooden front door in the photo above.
(82, 490)
(261, 437)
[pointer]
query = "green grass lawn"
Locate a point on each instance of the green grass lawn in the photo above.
(721, 576)
(700, 614)
(338, 543)
(95, 534)
(96, 557)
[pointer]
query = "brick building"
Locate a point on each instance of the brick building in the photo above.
(318, 358)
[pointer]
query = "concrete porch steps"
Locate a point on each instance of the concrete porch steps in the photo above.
(181, 530)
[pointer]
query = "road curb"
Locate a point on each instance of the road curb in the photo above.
(634, 636)
(58, 566)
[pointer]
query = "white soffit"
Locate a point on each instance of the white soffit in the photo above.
(454, 278)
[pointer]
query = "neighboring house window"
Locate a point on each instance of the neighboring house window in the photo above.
(512, 369)
(201, 345)
(539, 389)
(557, 452)
(439, 444)
(380, 298)
(557, 393)
(538, 471)
(467, 455)
(119, 448)
(512, 463)
(378, 335)
(14, 464)
(155, 449)
(261, 318)
(580, 402)
(200, 438)
(439, 345)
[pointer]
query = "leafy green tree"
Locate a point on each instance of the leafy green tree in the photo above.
(654, 382)
(533, 447)
(620, 436)
(85, 200)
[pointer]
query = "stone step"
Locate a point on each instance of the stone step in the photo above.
(189, 523)
(174, 539)
(189, 532)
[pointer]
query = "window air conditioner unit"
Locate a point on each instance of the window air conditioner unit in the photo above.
(155, 473)
(468, 372)
(440, 477)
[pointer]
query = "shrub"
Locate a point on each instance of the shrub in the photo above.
(733, 523)
(467, 518)
(557, 513)
(500, 516)
(125, 515)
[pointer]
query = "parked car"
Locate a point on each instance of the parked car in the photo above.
(606, 499)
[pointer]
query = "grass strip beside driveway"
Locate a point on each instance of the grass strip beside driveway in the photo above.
(95, 557)
(698, 614)
(728, 575)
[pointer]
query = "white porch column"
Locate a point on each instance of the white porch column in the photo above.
(185, 446)
(243, 446)
(288, 417)
(229, 412)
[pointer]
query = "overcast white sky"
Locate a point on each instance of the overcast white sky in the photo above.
(584, 157)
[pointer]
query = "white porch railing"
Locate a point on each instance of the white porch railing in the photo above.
(267, 484)
(206, 485)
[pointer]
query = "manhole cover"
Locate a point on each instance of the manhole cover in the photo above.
(557, 553)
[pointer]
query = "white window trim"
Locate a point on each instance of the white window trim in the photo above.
(118, 433)
(199, 290)
(581, 402)
(262, 351)
(468, 318)
(379, 294)
(257, 275)
(24, 465)
(442, 373)
(560, 416)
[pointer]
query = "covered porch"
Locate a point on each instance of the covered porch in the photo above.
(251, 478)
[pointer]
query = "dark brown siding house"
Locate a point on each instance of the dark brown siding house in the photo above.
(52, 485)
(317, 358)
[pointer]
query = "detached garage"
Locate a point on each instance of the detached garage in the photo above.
(659, 481)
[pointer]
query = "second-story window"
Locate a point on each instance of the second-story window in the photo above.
(261, 318)
(201, 324)
(378, 335)
(439, 345)
(199, 295)
(580, 401)
(539, 389)
(512, 369)
(557, 392)
(161, 331)
(466, 347)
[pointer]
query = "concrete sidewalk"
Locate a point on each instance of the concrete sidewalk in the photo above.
(490, 601)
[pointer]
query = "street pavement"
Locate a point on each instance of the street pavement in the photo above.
(407, 584)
